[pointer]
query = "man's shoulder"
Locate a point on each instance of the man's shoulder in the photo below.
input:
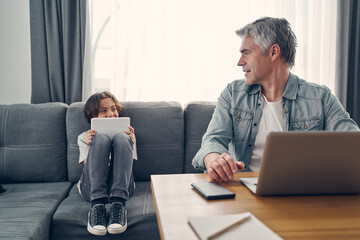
(312, 90)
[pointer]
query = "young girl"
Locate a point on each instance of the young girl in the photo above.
(107, 174)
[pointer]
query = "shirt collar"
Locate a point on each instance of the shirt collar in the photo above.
(252, 89)
(290, 90)
(291, 87)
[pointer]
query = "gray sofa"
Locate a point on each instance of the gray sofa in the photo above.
(39, 165)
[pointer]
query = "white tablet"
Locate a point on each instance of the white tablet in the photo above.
(110, 126)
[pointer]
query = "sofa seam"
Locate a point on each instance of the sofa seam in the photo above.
(3, 136)
(40, 146)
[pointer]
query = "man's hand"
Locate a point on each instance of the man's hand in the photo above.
(222, 167)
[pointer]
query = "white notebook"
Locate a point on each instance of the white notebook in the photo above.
(251, 228)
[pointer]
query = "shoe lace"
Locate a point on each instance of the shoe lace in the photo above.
(98, 215)
(118, 213)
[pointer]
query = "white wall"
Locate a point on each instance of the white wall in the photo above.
(15, 58)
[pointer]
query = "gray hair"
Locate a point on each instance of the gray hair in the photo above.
(268, 31)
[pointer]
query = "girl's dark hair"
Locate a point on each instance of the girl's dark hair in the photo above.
(92, 105)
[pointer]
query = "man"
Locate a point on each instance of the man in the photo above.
(270, 99)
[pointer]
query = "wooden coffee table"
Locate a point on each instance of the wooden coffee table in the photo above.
(291, 217)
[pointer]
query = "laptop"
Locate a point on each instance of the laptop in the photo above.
(110, 126)
(308, 163)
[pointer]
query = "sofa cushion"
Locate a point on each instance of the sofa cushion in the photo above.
(75, 124)
(32, 136)
(26, 209)
(70, 219)
(197, 118)
(159, 129)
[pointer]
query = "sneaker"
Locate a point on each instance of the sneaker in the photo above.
(118, 218)
(97, 220)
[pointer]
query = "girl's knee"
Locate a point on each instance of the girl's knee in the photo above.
(121, 138)
(101, 139)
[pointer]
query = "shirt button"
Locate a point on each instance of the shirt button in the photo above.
(259, 104)
(255, 124)
(286, 111)
(238, 117)
(250, 145)
(306, 127)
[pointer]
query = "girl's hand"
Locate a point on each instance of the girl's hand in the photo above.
(131, 133)
(89, 135)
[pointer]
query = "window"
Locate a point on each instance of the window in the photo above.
(186, 50)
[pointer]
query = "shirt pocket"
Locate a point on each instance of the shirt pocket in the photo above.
(241, 123)
(307, 125)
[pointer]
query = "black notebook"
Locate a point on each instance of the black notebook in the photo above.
(212, 190)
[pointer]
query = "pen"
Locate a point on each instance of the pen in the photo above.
(235, 224)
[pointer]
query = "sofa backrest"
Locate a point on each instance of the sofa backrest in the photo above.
(159, 129)
(197, 116)
(33, 143)
(168, 137)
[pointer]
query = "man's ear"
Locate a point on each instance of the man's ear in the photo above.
(275, 52)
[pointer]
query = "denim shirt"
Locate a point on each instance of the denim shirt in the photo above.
(236, 118)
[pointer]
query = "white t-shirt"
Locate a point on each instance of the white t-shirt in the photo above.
(272, 120)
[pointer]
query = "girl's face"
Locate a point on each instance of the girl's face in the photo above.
(107, 109)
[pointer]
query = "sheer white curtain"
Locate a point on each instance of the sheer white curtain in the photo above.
(186, 50)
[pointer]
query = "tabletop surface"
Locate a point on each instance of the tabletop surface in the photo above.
(291, 217)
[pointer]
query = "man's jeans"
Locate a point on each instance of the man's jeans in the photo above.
(103, 177)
